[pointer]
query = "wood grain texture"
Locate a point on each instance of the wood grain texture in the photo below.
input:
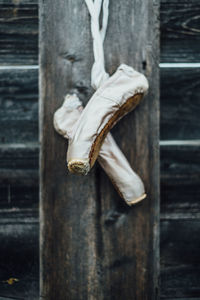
(18, 32)
(180, 271)
(19, 176)
(180, 31)
(179, 209)
(180, 89)
(18, 106)
(92, 245)
(180, 190)
(180, 177)
(180, 110)
(195, 298)
(22, 157)
(19, 197)
(179, 165)
(19, 253)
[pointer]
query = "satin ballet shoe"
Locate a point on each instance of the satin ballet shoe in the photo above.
(127, 183)
(117, 96)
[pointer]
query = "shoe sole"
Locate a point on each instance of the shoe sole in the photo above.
(130, 104)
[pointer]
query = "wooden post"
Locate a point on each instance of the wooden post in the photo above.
(93, 246)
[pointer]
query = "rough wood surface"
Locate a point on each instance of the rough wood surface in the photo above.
(180, 189)
(180, 177)
(22, 157)
(180, 110)
(180, 89)
(18, 32)
(92, 245)
(180, 260)
(18, 106)
(180, 193)
(19, 254)
(180, 31)
(179, 269)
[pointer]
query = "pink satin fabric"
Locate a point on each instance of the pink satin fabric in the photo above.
(114, 92)
(112, 160)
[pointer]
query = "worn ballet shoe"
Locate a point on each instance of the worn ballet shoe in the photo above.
(127, 183)
(117, 96)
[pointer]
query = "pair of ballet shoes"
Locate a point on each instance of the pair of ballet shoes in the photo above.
(88, 130)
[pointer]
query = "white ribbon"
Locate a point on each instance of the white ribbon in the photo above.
(98, 73)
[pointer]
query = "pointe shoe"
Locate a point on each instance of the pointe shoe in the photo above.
(127, 183)
(120, 94)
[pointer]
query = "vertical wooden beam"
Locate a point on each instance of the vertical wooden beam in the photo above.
(93, 246)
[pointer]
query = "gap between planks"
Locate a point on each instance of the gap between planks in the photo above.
(161, 65)
(162, 144)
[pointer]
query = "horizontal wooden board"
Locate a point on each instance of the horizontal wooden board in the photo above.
(179, 119)
(180, 109)
(19, 254)
(180, 31)
(180, 242)
(19, 156)
(180, 175)
(19, 2)
(180, 178)
(19, 175)
(180, 282)
(18, 32)
(18, 196)
(195, 298)
(18, 105)
(179, 273)
(180, 259)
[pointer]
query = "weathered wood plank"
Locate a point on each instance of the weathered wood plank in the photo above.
(180, 271)
(180, 31)
(19, 175)
(19, 254)
(180, 282)
(19, 2)
(180, 177)
(18, 196)
(18, 105)
(180, 110)
(195, 298)
(18, 32)
(97, 237)
(19, 156)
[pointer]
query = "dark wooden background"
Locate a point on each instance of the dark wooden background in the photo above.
(180, 145)
(92, 245)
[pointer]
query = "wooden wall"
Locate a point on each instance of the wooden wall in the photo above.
(180, 145)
